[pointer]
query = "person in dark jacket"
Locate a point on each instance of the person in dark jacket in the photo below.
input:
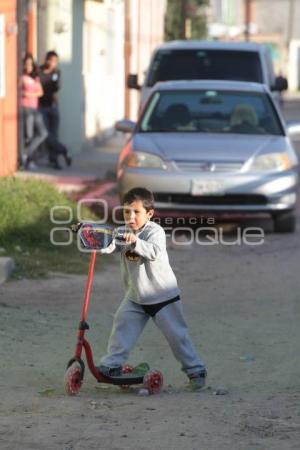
(48, 104)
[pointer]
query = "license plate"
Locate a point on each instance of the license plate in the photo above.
(209, 187)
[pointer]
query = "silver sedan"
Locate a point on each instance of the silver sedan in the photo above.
(212, 146)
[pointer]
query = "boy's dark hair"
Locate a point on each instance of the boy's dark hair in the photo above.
(50, 54)
(142, 194)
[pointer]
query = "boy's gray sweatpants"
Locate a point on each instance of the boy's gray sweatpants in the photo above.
(130, 320)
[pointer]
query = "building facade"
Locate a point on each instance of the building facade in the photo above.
(98, 42)
(8, 87)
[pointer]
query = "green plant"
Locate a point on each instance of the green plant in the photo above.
(25, 227)
(181, 11)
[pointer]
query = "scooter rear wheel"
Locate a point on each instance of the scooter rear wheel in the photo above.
(73, 379)
(153, 381)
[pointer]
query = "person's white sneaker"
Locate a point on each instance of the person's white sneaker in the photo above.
(32, 166)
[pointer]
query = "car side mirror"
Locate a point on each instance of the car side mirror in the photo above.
(281, 84)
(132, 81)
(126, 126)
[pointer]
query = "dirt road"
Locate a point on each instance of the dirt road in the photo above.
(242, 305)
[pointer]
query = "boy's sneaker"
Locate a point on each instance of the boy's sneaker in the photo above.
(197, 380)
(110, 371)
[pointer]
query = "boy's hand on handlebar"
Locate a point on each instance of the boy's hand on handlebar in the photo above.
(129, 237)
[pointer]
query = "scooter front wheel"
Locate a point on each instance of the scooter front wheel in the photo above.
(153, 381)
(73, 379)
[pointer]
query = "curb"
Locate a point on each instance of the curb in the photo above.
(7, 266)
(64, 183)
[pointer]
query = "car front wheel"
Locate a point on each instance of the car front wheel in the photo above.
(285, 223)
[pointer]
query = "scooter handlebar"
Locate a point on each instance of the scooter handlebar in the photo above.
(75, 227)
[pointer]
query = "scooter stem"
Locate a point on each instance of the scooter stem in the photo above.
(88, 285)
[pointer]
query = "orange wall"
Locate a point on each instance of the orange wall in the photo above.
(8, 104)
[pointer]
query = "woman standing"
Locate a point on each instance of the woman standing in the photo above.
(35, 131)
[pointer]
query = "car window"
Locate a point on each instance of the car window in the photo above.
(205, 65)
(210, 111)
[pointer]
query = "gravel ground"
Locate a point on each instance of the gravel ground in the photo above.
(242, 306)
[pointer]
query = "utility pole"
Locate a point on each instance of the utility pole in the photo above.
(127, 56)
(290, 29)
(32, 28)
(183, 19)
(247, 7)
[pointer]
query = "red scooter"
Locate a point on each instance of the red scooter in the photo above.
(92, 238)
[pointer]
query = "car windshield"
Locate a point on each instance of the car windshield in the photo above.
(210, 111)
(205, 65)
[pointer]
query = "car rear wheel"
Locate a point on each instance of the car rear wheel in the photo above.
(285, 223)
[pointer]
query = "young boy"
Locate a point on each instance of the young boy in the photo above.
(151, 291)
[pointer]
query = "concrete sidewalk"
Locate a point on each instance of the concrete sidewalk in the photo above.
(91, 166)
(291, 95)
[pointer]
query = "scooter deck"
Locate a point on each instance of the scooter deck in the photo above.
(134, 377)
(126, 379)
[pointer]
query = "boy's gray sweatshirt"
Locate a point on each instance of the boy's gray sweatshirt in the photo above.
(146, 271)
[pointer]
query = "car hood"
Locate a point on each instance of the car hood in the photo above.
(212, 147)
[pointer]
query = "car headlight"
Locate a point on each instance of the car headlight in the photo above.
(144, 160)
(273, 161)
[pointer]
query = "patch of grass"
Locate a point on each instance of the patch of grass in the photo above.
(25, 227)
